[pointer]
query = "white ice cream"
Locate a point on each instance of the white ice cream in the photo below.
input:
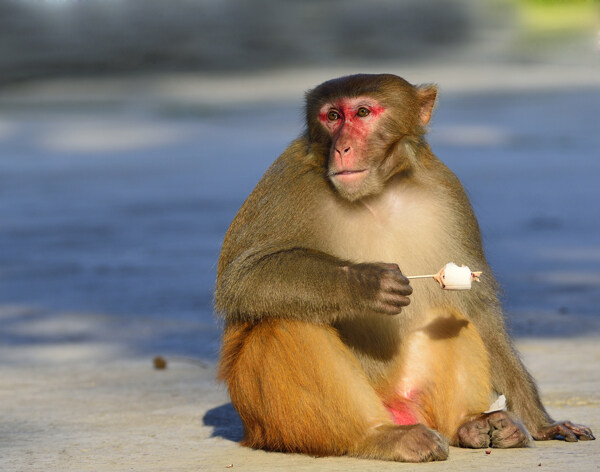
(453, 277)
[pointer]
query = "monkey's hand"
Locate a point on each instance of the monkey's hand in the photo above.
(569, 431)
(380, 287)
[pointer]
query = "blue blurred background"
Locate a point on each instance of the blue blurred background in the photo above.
(131, 132)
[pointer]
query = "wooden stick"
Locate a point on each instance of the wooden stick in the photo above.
(475, 274)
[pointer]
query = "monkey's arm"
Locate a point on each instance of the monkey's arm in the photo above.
(306, 284)
(271, 265)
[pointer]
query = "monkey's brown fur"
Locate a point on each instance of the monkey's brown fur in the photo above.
(315, 355)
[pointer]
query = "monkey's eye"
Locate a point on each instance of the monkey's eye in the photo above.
(333, 115)
(362, 112)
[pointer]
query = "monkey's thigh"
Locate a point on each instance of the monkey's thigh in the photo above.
(445, 373)
(298, 388)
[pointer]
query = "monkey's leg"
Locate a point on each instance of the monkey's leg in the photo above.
(443, 373)
(497, 429)
(298, 388)
(511, 378)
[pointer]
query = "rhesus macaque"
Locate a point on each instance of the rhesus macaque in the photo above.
(322, 352)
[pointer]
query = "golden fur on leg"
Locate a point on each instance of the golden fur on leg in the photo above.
(297, 388)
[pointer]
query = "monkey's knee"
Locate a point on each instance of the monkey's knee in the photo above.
(297, 388)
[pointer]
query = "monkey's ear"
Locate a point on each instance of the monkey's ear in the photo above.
(426, 95)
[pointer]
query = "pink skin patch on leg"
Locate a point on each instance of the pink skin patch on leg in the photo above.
(402, 414)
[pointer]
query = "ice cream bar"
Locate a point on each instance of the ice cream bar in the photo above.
(453, 277)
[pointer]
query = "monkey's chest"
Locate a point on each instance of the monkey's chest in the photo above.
(405, 227)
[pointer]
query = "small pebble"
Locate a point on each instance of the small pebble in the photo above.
(160, 363)
(488, 451)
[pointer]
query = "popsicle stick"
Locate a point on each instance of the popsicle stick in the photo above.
(475, 273)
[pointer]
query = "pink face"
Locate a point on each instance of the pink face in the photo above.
(350, 121)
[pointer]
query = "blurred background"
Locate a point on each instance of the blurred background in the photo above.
(131, 131)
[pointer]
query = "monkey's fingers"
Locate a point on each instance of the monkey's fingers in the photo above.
(391, 304)
(395, 274)
(399, 289)
(583, 433)
(565, 433)
(569, 431)
(392, 267)
(395, 284)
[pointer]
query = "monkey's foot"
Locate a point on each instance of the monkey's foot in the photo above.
(570, 432)
(405, 443)
(497, 429)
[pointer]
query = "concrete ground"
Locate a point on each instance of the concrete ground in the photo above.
(125, 415)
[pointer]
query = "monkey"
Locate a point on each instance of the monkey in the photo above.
(327, 348)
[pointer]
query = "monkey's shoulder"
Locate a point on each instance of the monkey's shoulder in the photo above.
(292, 167)
(284, 201)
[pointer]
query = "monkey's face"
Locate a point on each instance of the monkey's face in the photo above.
(350, 124)
(363, 129)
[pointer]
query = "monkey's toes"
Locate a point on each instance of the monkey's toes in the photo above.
(474, 434)
(497, 429)
(422, 444)
(585, 436)
(583, 433)
(442, 447)
(568, 431)
(507, 432)
(508, 437)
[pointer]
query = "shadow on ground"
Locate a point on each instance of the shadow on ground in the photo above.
(225, 421)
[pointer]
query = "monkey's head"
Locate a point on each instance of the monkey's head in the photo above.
(365, 129)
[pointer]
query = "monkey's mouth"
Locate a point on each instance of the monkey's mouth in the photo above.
(349, 174)
(349, 183)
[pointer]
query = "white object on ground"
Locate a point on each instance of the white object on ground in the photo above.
(498, 405)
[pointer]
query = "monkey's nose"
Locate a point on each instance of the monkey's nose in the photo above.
(344, 151)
